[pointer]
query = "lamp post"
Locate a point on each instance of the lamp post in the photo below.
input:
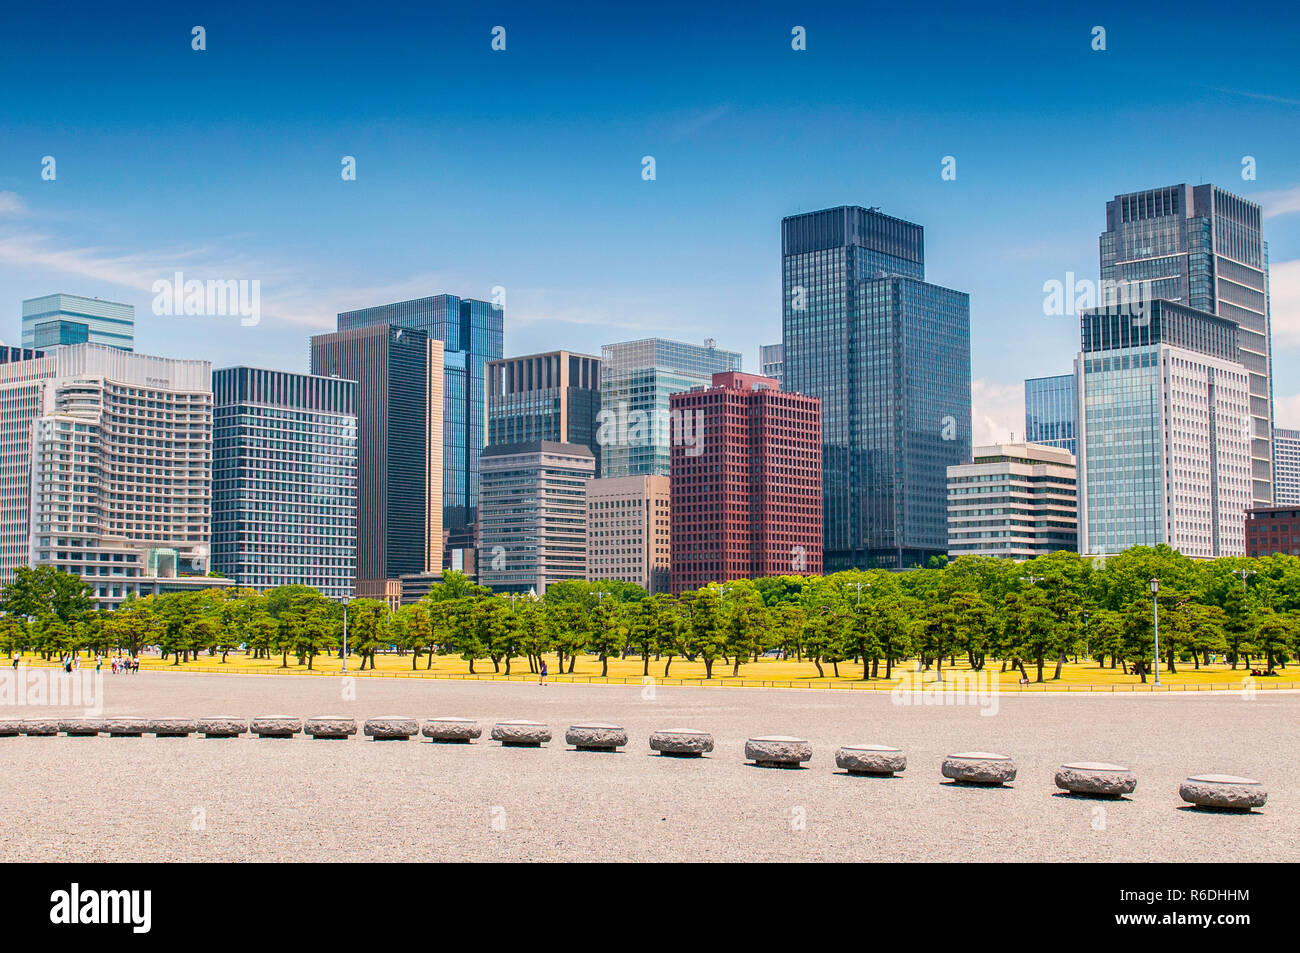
(1155, 619)
(345, 601)
(1243, 573)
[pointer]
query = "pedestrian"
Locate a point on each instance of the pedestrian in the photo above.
(542, 680)
(15, 661)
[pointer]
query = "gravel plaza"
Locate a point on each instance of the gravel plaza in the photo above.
(302, 799)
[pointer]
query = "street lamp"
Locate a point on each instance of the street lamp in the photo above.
(1243, 573)
(858, 586)
(345, 601)
(1155, 619)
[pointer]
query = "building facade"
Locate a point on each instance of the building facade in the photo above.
(629, 531)
(284, 498)
(399, 375)
(889, 356)
(1014, 501)
(1050, 409)
(1164, 432)
(1273, 529)
(1203, 247)
(746, 495)
(637, 380)
(553, 396)
(58, 319)
(1286, 467)
(471, 332)
(119, 459)
(533, 515)
(770, 359)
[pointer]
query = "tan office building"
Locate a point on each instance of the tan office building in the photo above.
(629, 531)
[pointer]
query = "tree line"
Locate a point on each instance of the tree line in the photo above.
(1028, 616)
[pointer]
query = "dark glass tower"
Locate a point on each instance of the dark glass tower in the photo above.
(889, 356)
(1050, 411)
(471, 333)
(1202, 247)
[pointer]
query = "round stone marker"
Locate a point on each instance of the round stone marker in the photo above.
(392, 727)
(330, 726)
(124, 727)
(1226, 792)
(172, 727)
(878, 760)
(451, 731)
(10, 727)
(221, 726)
(43, 727)
(1096, 778)
(521, 733)
(596, 737)
(80, 727)
(979, 767)
(275, 726)
(681, 742)
(777, 751)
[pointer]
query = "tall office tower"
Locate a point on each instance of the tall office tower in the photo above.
(59, 319)
(284, 479)
(1014, 500)
(1286, 467)
(1202, 247)
(471, 333)
(399, 375)
(770, 359)
(533, 515)
(1050, 404)
(746, 482)
(636, 380)
(553, 396)
(117, 448)
(629, 531)
(889, 356)
(1164, 431)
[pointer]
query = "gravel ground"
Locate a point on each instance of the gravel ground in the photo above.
(148, 799)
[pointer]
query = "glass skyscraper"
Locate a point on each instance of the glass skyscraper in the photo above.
(471, 332)
(1050, 405)
(1202, 247)
(284, 478)
(636, 380)
(553, 396)
(58, 319)
(889, 355)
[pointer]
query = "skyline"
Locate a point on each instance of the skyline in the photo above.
(527, 165)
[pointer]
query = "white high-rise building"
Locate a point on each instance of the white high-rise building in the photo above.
(629, 531)
(1286, 467)
(116, 448)
(1013, 500)
(1164, 431)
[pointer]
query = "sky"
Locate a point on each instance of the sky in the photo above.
(522, 169)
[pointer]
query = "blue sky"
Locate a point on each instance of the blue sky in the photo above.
(522, 169)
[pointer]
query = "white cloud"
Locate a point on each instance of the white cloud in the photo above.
(1284, 303)
(11, 204)
(1280, 202)
(997, 412)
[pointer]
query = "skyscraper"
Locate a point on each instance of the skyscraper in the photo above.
(284, 498)
(770, 359)
(1286, 466)
(636, 380)
(889, 356)
(471, 333)
(116, 449)
(1164, 431)
(533, 515)
(1202, 247)
(59, 319)
(1014, 501)
(746, 495)
(1050, 408)
(553, 396)
(399, 449)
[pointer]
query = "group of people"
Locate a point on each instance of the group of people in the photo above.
(121, 663)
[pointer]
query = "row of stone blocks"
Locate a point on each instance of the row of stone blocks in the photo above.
(1089, 778)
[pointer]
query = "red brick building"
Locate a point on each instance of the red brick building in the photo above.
(746, 471)
(1273, 529)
